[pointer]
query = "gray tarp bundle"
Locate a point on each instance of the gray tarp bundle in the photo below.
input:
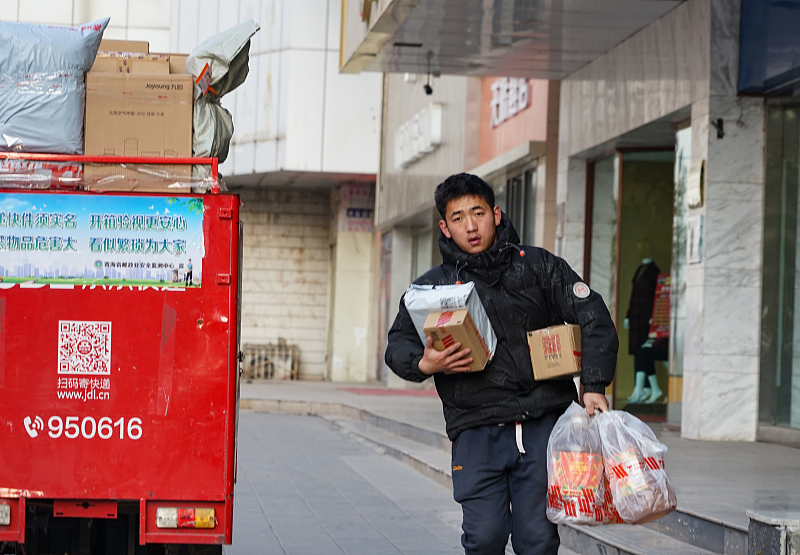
(42, 92)
(227, 55)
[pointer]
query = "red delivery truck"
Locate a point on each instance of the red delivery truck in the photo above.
(119, 380)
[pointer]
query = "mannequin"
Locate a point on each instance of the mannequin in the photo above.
(645, 351)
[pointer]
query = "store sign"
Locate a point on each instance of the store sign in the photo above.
(509, 97)
(418, 136)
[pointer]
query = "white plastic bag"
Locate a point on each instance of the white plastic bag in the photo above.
(634, 461)
(421, 300)
(575, 486)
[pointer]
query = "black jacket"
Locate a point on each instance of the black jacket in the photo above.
(522, 288)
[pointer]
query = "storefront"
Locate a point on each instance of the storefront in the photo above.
(629, 255)
(769, 65)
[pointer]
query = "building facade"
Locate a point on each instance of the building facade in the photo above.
(676, 159)
(303, 159)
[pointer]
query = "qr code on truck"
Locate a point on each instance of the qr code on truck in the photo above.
(84, 347)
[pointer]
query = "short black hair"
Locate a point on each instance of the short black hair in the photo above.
(461, 185)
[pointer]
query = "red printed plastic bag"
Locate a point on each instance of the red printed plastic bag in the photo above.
(575, 488)
(634, 461)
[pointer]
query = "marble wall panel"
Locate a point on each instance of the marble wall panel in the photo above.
(724, 45)
(733, 234)
(752, 192)
(692, 400)
(729, 407)
(700, 130)
(738, 156)
(695, 275)
(574, 214)
(694, 323)
(732, 277)
(732, 321)
(731, 364)
(795, 410)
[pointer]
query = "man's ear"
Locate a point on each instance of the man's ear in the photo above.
(497, 216)
(443, 227)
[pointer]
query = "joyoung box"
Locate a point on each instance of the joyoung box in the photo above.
(555, 351)
(448, 327)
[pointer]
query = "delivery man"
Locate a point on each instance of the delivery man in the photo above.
(500, 419)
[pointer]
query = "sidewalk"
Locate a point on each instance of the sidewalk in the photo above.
(719, 481)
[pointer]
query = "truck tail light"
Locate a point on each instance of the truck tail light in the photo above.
(174, 517)
(5, 514)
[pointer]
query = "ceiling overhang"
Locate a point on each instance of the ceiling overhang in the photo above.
(545, 39)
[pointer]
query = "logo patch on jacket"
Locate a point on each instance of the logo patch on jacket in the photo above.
(581, 290)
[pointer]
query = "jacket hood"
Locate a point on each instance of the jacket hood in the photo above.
(496, 255)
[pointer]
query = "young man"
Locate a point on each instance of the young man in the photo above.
(500, 419)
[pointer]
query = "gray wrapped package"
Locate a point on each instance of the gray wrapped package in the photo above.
(42, 91)
(223, 60)
(421, 300)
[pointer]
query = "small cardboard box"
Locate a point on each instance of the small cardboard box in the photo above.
(177, 62)
(555, 351)
(112, 45)
(131, 62)
(163, 178)
(453, 326)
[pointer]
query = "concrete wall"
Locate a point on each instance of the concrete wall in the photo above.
(351, 359)
(295, 111)
(142, 20)
(285, 272)
(404, 192)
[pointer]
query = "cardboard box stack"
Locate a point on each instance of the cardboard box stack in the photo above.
(555, 351)
(137, 104)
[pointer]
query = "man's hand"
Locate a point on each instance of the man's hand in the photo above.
(449, 361)
(594, 401)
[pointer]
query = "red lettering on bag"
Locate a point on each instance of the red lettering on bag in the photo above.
(569, 508)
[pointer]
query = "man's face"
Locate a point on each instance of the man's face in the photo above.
(470, 222)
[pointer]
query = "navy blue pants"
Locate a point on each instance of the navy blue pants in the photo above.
(502, 491)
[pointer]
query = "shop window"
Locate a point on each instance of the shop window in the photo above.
(518, 200)
(779, 393)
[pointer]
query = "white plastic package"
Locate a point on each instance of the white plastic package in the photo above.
(576, 485)
(634, 461)
(421, 300)
(42, 93)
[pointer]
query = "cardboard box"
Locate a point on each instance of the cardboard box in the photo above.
(555, 351)
(131, 62)
(177, 62)
(138, 115)
(163, 178)
(453, 326)
(112, 45)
